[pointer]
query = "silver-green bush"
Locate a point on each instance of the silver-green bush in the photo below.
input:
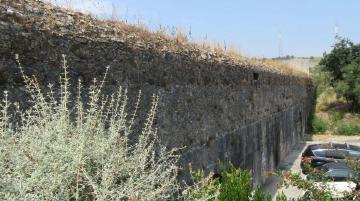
(63, 150)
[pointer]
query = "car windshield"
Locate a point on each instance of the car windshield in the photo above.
(331, 153)
(322, 146)
(340, 146)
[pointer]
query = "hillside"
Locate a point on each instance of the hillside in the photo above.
(303, 64)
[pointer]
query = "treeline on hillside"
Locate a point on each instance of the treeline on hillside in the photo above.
(341, 69)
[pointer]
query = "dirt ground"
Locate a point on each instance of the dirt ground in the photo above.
(332, 138)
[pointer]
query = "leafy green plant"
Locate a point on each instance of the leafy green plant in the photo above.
(281, 197)
(233, 184)
(258, 195)
(63, 150)
(319, 125)
(349, 87)
(236, 184)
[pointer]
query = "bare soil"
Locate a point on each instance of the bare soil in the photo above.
(331, 138)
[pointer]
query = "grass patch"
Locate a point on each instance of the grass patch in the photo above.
(325, 99)
(319, 125)
(333, 115)
(348, 127)
(336, 116)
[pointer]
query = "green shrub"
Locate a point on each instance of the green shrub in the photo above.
(258, 195)
(343, 64)
(348, 127)
(234, 184)
(281, 197)
(63, 150)
(318, 125)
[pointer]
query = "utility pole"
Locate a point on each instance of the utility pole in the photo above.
(280, 44)
(337, 30)
(114, 12)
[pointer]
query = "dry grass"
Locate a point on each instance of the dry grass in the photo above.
(337, 114)
(325, 99)
(181, 36)
(88, 26)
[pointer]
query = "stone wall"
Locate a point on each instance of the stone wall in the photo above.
(217, 109)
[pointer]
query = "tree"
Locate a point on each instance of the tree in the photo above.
(349, 86)
(343, 64)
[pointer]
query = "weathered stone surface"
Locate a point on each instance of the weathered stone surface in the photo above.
(217, 110)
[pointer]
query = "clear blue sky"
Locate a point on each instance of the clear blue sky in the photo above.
(307, 26)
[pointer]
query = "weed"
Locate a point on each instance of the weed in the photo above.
(232, 184)
(319, 125)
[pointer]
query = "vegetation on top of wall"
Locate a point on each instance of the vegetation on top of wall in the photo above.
(45, 16)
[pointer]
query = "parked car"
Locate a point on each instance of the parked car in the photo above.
(335, 171)
(335, 165)
(319, 154)
(337, 178)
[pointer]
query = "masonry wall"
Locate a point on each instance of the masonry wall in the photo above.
(216, 109)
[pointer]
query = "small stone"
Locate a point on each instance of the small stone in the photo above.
(9, 11)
